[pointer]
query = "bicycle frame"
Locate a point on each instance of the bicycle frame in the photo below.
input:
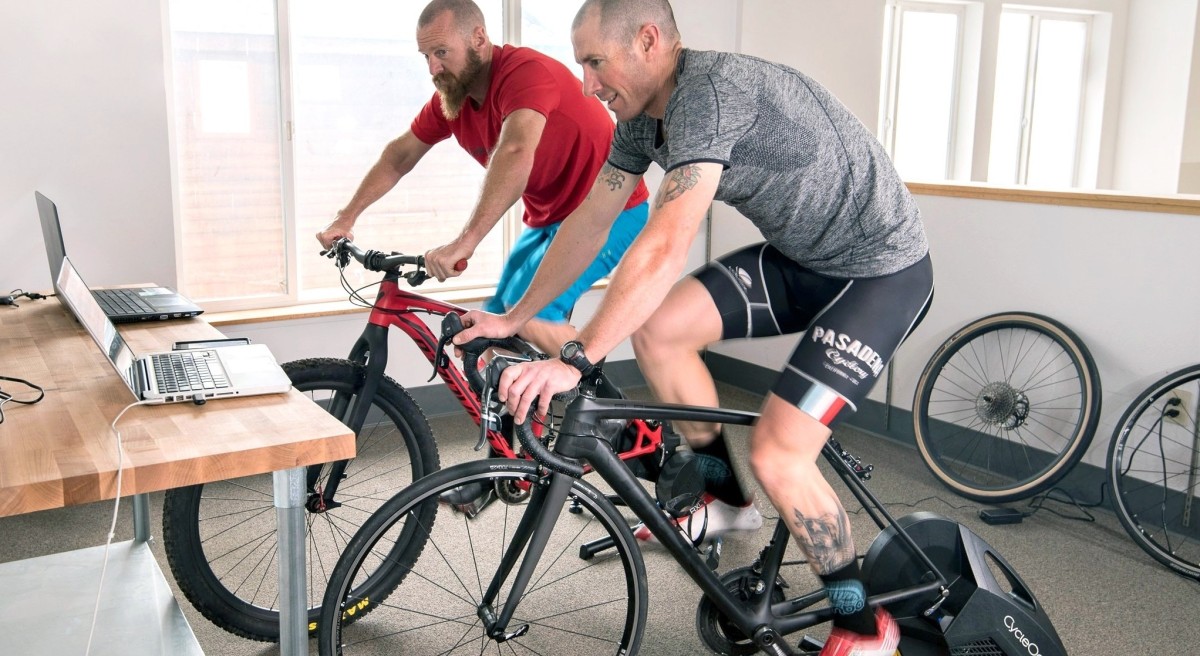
(395, 307)
(764, 621)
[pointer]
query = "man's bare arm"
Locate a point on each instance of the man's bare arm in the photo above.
(656, 258)
(397, 159)
(582, 235)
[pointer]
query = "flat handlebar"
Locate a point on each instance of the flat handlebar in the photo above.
(343, 249)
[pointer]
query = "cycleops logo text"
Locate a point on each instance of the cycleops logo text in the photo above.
(1019, 636)
(845, 344)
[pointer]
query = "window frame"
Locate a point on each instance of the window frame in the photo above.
(890, 96)
(1037, 16)
(975, 94)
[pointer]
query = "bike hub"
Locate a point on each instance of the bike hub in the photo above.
(1001, 404)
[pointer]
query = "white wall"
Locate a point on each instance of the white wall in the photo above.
(83, 120)
(1153, 111)
(1189, 169)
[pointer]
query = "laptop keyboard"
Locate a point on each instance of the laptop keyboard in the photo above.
(122, 301)
(188, 371)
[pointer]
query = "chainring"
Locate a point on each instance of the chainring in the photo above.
(716, 631)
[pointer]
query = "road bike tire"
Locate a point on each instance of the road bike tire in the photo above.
(572, 606)
(1154, 470)
(220, 538)
(1006, 406)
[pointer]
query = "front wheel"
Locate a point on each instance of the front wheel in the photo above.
(1006, 407)
(461, 580)
(220, 538)
(1154, 470)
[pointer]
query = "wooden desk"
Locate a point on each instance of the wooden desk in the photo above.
(61, 451)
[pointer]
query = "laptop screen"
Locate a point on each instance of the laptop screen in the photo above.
(76, 295)
(52, 235)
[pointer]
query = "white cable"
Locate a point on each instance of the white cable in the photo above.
(112, 529)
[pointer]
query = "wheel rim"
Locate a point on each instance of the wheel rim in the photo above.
(1156, 474)
(1005, 412)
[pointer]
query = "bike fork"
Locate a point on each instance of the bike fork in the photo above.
(531, 536)
(351, 408)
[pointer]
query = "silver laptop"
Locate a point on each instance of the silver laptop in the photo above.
(122, 305)
(173, 376)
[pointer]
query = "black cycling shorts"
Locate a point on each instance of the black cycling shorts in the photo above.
(852, 326)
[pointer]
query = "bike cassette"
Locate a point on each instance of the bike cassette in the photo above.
(716, 631)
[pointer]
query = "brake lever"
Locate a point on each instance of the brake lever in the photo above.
(489, 412)
(451, 326)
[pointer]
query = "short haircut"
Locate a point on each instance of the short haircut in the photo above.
(466, 14)
(620, 20)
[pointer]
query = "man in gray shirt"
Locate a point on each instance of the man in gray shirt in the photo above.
(845, 261)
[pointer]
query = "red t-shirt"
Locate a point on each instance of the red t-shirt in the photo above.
(574, 144)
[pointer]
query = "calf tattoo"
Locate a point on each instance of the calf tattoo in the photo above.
(828, 539)
(680, 180)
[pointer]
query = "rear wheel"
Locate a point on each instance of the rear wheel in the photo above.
(1154, 470)
(441, 604)
(220, 537)
(1006, 407)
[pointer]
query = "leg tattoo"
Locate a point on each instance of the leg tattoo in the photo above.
(827, 539)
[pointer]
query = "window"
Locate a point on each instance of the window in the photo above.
(939, 75)
(281, 107)
(922, 89)
(1039, 90)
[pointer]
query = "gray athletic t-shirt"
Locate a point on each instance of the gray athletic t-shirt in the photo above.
(797, 163)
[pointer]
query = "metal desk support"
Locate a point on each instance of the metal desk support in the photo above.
(293, 606)
(141, 517)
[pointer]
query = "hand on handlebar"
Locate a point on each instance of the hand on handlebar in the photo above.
(521, 384)
(478, 323)
(333, 232)
(447, 261)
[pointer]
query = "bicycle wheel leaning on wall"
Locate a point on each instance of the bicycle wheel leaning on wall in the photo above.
(1006, 406)
(1154, 470)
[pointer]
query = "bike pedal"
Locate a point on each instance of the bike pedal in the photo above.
(810, 646)
(469, 500)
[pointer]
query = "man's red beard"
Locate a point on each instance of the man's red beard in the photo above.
(454, 89)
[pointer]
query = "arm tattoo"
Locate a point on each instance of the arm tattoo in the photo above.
(827, 541)
(613, 177)
(680, 180)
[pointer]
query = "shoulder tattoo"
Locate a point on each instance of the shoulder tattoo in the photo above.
(679, 181)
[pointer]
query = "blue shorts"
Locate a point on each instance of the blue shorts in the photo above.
(531, 247)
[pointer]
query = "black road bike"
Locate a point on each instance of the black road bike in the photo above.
(541, 575)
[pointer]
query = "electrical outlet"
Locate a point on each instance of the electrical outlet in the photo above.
(1184, 409)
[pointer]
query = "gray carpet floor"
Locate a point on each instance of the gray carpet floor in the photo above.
(1104, 595)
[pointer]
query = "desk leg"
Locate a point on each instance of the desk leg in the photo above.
(293, 603)
(141, 517)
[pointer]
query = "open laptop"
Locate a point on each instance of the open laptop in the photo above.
(173, 376)
(121, 305)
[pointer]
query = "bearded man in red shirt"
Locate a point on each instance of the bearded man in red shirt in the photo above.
(523, 116)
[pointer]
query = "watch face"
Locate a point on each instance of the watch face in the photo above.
(570, 350)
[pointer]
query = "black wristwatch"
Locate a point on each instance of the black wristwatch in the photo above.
(572, 354)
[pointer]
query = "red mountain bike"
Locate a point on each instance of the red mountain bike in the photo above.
(220, 537)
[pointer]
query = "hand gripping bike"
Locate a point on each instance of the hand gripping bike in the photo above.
(525, 577)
